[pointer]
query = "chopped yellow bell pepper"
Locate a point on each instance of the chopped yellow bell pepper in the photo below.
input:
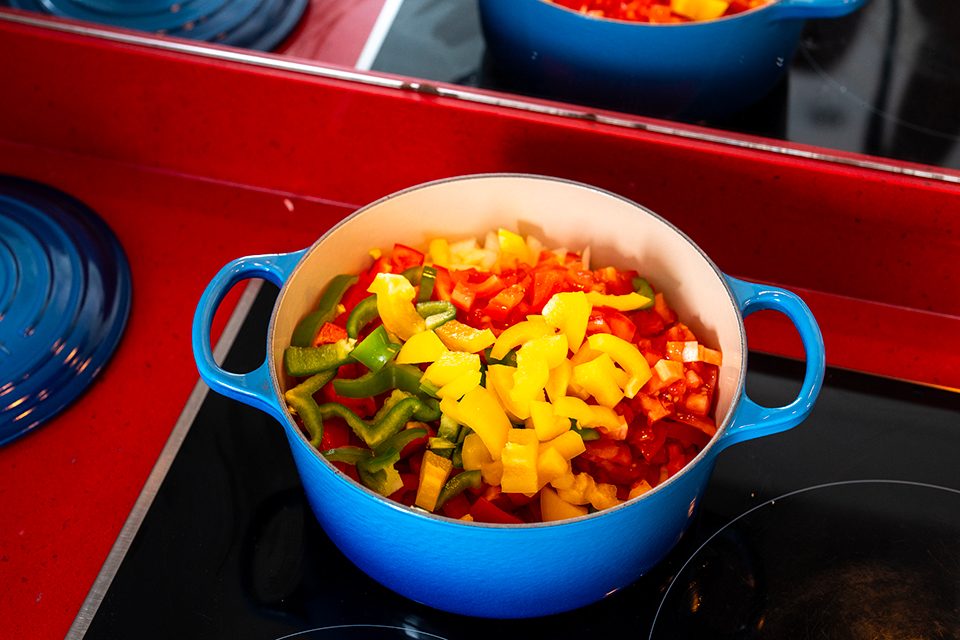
(460, 385)
(518, 334)
(586, 490)
(569, 312)
(599, 378)
(590, 415)
(422, 347)
(534, 360)
(569, 445)
(558, 381)
(626, 302)
(550, 465)
(520, 462)
(450, 366)
(433, 475)
(474, 452)
(492, 472)
(545, 422)
(439, 252)
(480, 410)
(699, 9)
(514, 248)
(462, 337)
(627, 356)
(564, 481)
(553, 507)
(669, 371)
(500, 378)
(639, 489)
(395, 297)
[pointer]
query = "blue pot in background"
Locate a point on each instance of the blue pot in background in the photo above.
(688, 71)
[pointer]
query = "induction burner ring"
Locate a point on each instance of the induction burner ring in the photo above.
(855, 559)
(65, 291)
(361, 632)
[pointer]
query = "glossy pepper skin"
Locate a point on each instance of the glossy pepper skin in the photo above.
(306, 361)
(389, 421)
(326, 311)
(391, 376)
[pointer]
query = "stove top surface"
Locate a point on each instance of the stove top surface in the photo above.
(846, 526)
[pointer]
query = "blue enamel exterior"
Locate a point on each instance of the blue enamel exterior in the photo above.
(688, 71)
(494, 570)
(65, 297)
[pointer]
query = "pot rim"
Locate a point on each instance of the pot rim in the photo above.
(703, 457)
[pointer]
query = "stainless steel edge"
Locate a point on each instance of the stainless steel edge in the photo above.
(467, 95)
(180, 429)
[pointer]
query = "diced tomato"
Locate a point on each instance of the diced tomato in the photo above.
(703, 423)
(677, 458)
(404, 257)
(648, 322)
(483, 510)
(329, 333)
(649, 441)
(685, 434)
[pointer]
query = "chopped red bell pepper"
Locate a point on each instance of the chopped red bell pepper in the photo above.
(329, 333)
(403, 257)
(483, 510)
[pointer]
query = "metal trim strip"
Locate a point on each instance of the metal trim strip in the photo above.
(159, 472)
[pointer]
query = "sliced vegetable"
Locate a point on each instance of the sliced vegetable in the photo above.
(326, 311)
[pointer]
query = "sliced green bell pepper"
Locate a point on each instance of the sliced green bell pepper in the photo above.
(306, 361)
(376, 349)
(306, 329)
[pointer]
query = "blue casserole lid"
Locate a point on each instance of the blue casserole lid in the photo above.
(253, 24)
(65, 291)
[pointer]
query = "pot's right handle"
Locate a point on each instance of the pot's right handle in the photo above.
(807, 9)
(753, 420)
(253, 388)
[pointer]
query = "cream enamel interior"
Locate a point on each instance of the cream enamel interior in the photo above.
(558, 212)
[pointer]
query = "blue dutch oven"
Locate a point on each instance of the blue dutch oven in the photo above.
(686, 71)
(512, 571)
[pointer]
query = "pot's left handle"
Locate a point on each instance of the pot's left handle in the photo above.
(254, 387)
(753, 420)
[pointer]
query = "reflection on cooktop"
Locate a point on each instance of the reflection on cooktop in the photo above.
(881, 81)
(852, 560)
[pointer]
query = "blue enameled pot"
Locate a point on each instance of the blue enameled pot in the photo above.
(686, 71)
(508, 571)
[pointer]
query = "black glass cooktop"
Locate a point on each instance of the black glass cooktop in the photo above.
(882, 81)
(846, 527)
